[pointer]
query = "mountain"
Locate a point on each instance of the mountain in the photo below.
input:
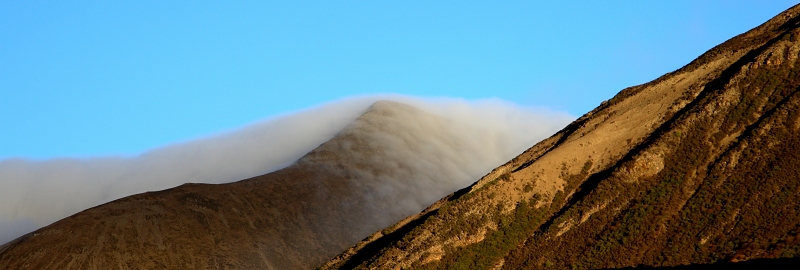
(389, 163)
(699, 166)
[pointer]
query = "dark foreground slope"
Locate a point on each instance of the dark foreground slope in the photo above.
(368, 177)
(699, 166)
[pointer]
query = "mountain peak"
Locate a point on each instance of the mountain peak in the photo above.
(389, 105)
(390, 162)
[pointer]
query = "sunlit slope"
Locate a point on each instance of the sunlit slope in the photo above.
(698, 166)
(389, 163)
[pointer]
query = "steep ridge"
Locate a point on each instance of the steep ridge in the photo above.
(369, 176)
(701, 165)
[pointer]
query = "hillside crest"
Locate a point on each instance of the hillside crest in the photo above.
(697, 166)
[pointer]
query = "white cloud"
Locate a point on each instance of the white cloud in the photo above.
(36, 193)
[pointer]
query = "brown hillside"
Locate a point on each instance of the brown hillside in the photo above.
(294, 218)
(699, 166)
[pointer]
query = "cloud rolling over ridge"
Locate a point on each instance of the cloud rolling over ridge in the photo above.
(36, 193)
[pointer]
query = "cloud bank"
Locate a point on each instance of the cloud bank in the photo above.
(36, 193)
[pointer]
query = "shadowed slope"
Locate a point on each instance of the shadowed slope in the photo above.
(699, 166)
(391, 162)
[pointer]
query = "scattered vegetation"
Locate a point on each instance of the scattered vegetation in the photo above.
(729, 189)
(697, 209)
(512, 229)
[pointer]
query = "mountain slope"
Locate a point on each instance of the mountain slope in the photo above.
(390, 163)
(699, 166)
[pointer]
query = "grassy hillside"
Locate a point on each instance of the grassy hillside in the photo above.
(699, 166)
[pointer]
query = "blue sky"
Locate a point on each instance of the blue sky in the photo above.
(96, 78)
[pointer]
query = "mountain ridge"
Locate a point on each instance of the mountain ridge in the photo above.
(615, 187)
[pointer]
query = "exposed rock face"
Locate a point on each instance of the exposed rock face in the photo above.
(699, 166)
(390, 163)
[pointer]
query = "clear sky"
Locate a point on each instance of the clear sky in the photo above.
(89, 78)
